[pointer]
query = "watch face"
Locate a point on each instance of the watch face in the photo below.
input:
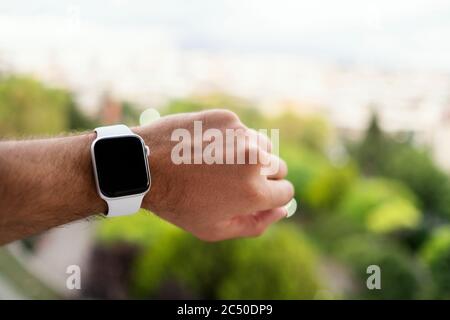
(121, 166)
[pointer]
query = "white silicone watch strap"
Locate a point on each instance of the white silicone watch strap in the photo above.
(112, 131)
(126, 205)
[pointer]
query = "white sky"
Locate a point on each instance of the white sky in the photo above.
(411, 33)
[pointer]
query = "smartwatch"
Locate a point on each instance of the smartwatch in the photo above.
(120, 163)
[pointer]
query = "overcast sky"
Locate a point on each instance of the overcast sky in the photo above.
(412, 33)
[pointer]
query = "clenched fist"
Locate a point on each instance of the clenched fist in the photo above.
(214, 200)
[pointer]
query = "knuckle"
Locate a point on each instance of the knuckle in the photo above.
(220, 118)
(229, 115)
(223, 115)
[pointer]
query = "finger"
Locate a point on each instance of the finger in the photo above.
(261, 140)
(282, 171)
(273, 166)
(280, 192)
(255, 224)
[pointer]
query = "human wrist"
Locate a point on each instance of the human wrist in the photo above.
(93, 203)
(155, 141)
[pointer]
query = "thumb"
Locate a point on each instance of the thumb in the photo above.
(256, 223)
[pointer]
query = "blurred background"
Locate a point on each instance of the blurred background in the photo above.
(360, 91)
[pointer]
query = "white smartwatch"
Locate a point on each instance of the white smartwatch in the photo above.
(121, 170)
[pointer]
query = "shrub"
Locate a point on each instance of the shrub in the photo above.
(436, 253)
(381, 205)
(280, 264)
(27, 106)
(379, 154)
(421, 174)
(143, 229)
(318, 183)
(402, 277)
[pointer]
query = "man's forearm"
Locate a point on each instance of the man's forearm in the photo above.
(45, 183)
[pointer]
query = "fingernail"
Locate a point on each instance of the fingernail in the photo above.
(291, 208)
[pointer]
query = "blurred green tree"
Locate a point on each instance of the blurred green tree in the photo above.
(318, 183)
(255, 272)
(371, 152)
(77, 120)
(402, 276)
(230, 269)
(311, 132)
(29, 107)
(381, 205)
(382, 155)
(417, 170)
(436, 253)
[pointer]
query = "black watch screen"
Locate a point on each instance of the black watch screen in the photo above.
(121, 164)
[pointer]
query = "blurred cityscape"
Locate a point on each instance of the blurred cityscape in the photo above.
(149, 63)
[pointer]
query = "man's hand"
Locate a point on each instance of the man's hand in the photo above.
(46, 183)
(213, 201)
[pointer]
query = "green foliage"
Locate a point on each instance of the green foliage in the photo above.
(26, 106)
(319, 184)
(327, 188)
(26, 285)
(381, 206)
(77, 120)
(402, 277)
(436, 253)
(382, 155)
(417, 170)
(130, 114)
(394, 215)
(29, 107)
(142, 228)
(231, 269)
(280, 265)
(311, 132)
(372, 151)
